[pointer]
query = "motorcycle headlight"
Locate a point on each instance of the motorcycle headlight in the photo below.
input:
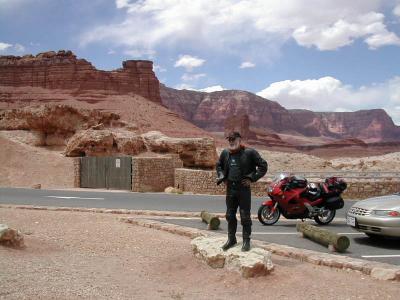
(386, 213)
(269, 189)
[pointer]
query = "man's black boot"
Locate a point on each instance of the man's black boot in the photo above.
(246, 245)
(229, 243)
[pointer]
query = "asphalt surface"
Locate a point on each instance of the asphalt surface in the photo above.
(283, 232)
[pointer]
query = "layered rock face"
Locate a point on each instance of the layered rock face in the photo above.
(99, 133)
(223, 110)
(194, 152)
(54, 124)
(211, 110)
(371, 125)
(62, 70)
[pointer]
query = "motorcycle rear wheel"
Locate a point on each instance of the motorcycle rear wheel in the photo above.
(329, 215)
(263, 213)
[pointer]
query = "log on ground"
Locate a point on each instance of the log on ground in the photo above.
(212, 220)
(324, 237)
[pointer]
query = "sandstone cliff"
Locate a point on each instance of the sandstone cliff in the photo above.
(219, 111)
(62, 70)
(210, 110)
(369, 125)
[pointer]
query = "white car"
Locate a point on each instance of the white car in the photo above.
(378, 216)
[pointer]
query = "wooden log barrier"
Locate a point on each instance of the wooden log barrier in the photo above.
(212, 220)
(333, 241)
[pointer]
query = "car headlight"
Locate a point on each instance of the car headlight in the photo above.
(386, 213)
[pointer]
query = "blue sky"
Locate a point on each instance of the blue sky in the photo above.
(314, 54)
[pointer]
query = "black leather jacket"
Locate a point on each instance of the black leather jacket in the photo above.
(252, 165)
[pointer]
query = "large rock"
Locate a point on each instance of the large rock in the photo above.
(104, 142)
(91, 143)
(11, 237)
(256, 262)
(194, 152)
(56, 118)
(49, 125)
(62, 70)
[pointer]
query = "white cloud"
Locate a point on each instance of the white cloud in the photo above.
(12, 48)
(251, 29)
(184, 86)
(111, 51)
(4, 46)
(158, 68)
(396, 10)
(210, 89)
(330, 94)
(19, 48)
(342, 33)
(214, 88)
(247, 64)
(189, 62)
(122, 3)
(138, 53)
(192, 77)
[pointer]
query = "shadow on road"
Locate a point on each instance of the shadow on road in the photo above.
(379, 242)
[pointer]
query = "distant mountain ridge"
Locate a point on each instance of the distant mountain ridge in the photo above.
(210, 110)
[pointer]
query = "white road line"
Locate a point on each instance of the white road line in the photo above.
(383, 256)
(294, 233)
(275, 233)
(80, 198)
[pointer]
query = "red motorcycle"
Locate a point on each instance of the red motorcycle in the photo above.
(295, 198)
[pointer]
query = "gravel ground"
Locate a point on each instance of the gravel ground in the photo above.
(72, 255)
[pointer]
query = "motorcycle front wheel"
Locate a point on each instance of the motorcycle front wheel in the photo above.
(265, 216)
(327, 216)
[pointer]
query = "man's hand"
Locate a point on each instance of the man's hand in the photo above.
(219, 180)
(246, 182)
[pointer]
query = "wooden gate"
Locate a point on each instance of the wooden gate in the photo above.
(106, 172)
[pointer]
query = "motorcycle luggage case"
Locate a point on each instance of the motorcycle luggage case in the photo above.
(334, 203)
(297, 182)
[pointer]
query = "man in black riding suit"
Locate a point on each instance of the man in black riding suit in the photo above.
(237, 167)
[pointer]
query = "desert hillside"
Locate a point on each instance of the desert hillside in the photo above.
(23, 165)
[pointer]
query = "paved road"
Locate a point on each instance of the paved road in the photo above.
(129, 200)
(283, 232)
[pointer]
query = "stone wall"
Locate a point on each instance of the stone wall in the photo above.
(153, 174)
(203, 182)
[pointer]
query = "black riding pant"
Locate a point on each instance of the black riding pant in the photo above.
(238, 196)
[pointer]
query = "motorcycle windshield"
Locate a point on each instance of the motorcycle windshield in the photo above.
(280, 176)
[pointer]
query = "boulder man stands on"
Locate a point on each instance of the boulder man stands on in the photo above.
(237, 168)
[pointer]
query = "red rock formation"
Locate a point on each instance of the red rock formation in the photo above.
(241, 124)
(211, 111)
(62, 70)
(373, 125)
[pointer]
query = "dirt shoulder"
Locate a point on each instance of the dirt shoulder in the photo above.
(73, 255)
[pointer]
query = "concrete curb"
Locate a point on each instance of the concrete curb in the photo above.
(107, 211)
(376, 270)
(158, 213)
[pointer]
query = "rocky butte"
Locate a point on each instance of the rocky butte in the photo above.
(63, 70)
